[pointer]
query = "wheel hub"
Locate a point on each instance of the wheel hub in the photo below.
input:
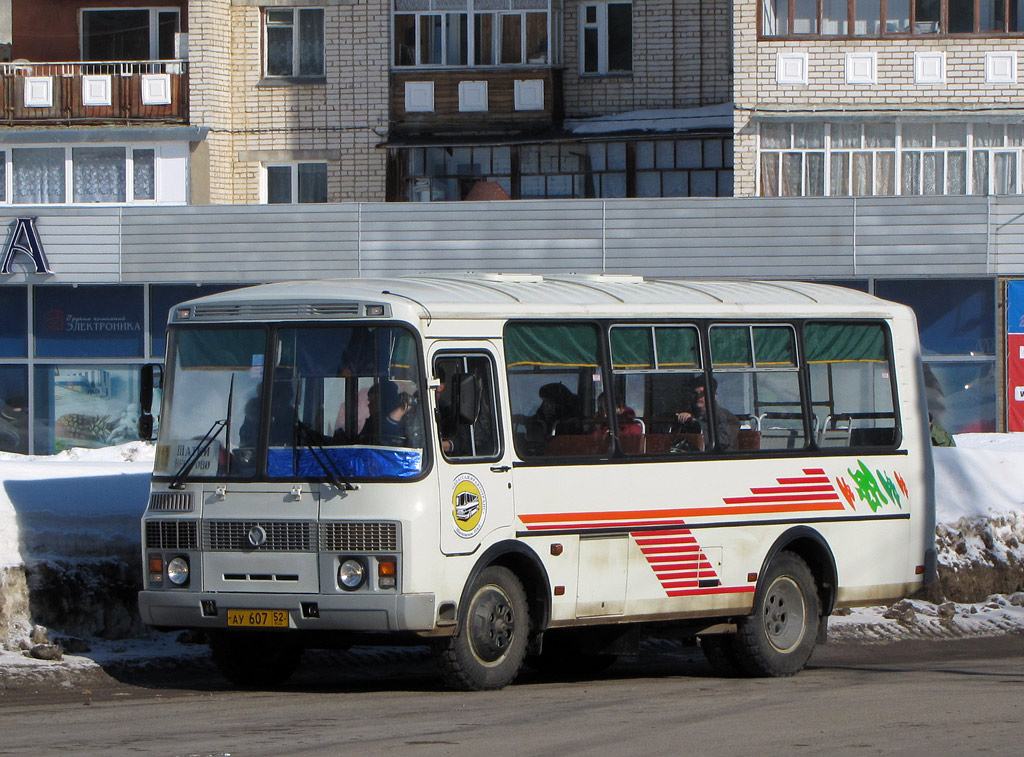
(493, 625)
(784, 614)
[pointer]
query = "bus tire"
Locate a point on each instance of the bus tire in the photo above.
(489, 645)
(778, 637)
(255, 659)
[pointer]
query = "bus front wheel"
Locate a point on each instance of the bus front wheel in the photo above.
(779, 636)
(489, 646)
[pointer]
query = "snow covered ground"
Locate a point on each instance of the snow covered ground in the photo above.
(82, 505)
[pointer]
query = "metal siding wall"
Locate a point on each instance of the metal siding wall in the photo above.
(697, 237)
(240, 243)
(937, 236)
(82, 247)
(522, 236)
(707, 237)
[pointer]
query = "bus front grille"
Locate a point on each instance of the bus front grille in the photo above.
(259, 535)
(172, 534)
(359, 537)
(171, 501)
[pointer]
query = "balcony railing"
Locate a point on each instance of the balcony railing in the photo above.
(93, 92)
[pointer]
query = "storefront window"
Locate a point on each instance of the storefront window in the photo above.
(85, 406)
(89, 321)
(956, 319)
(13, 322)
(13, 409)
(161, 300)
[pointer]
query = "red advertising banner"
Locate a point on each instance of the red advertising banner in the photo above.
(1015, 382)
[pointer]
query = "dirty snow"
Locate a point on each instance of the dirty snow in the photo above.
(980, 515)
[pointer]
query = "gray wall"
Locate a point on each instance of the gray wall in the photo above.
(701, 237)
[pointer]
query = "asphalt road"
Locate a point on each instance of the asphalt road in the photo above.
(922, 697)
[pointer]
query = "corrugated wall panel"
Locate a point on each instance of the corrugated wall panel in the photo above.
(249, 244)
(922, 235)
(80, 247)
(705, 237)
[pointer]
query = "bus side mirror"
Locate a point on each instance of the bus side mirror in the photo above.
(465, 398)
(150, 377)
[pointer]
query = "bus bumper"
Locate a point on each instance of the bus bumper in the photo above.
(312, 612)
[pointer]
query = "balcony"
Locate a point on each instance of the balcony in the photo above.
(94, 92)
(480, 100)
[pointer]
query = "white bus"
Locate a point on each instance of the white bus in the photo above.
(522, 468)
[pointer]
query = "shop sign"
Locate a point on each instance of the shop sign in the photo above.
(24, 239)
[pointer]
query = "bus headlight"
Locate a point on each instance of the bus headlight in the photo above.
(177, 571)
(351, 574)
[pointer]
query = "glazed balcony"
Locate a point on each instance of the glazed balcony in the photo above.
(94, 92)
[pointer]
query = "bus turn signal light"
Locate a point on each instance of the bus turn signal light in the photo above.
(386, 573)
(156, 569)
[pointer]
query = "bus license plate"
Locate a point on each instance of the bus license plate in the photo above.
(258, 618)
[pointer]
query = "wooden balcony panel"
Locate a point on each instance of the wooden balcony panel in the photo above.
(126, 103)
(501, 113)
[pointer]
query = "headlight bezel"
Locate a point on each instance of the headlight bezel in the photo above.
(178, 571)
(349, 567)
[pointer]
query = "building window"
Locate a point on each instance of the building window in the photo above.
(83, 175)
(294, 42)
(471, 33)
(870, 18)
(129, 34)
(296, 182)
(692, 167)
(852, 159)
(606, 38)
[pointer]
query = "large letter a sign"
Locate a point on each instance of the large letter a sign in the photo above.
(24, 239)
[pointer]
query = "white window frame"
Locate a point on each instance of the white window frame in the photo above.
(471, 13)
(601, 25)
(1011, 149)
(296, 41)
(293, 165)
(154, 24)
(129, 153)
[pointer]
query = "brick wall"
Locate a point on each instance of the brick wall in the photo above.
(681, 58)
(340, 118)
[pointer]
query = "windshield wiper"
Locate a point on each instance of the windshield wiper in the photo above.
(204, 444)
(197, 453)
(304, 436)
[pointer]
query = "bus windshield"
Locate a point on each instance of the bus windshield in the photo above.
(292, 402)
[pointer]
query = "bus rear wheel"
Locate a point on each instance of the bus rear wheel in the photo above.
(254, 659)
(779, 636)
(489, 645)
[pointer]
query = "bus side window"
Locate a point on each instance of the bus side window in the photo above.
(657, 378)
(554, 381)
(851, 384)
(466, 418)
(756, 383)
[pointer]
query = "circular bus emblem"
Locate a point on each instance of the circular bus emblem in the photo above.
(257, 536)
(469, 505)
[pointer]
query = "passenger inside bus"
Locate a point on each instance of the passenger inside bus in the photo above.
(625, 418)
(695, 420)
(390, 422)
(559, 412)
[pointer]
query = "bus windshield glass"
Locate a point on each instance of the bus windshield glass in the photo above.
(305, 402)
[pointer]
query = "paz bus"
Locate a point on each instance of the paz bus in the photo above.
(533, 469)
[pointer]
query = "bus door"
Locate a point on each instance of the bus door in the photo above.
(473, 462)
